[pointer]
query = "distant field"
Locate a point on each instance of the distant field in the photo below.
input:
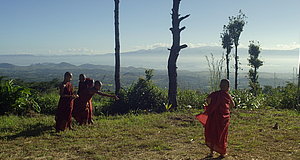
(175, 135)
(186, 79)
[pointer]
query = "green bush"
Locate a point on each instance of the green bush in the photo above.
(191, 98)
(244, 99)
(142, 96)
(16, 99)
(282, 97)
(145, 95)
(112, 107)
(48, 102)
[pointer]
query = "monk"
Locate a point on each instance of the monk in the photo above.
(217, 123)
(65, 105)
(84, 83)
(81, 84)
(82, 113)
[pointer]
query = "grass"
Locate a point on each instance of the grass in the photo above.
(175, 135)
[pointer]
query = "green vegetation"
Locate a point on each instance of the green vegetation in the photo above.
(168, 135)
(254, 63)
(137, 131)
(16, 99)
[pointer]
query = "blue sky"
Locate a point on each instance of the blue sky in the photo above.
(87, 26)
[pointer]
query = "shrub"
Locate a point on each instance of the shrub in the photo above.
(143, 95)
(48, 102)
(16, 99)
(282, 97)
(244, 99)
(191, 98)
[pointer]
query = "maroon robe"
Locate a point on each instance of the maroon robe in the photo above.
(63, 115)
(83, 104)
(216, 126)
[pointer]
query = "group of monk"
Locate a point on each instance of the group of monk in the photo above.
(77, 105)
(215, 118)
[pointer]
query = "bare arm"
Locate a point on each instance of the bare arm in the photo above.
(232, 104)
(208, 100)
(61, 92)
(106, 95)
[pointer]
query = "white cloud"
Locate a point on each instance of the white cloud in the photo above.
(151, 46)
(168, 45)
(290, 46)
(196, 45)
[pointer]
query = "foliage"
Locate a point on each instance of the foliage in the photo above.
(142, 95)
(215, 70)
(235, 26)
(191, 98)
(282, 97)
(145, 95)
(48, 102)
(168, 106)
(244, 99)
(255, 63)
(227, 43)
(43, 86)
(16, 99)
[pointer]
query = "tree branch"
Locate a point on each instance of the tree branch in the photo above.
(183, 46)
(181, 29)
(184, 17)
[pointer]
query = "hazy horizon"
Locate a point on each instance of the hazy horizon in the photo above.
(191, 59)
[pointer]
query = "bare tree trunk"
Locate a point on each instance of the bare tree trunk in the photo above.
(227, 65)
(117, 49)
(236, 68)
(298, 91)
(174, 53)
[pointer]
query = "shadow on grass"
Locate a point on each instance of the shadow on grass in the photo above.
(211, 158)
(30, 131)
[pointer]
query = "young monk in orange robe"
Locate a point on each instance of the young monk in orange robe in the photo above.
(218, 115)
(82, 112)
(65, 105)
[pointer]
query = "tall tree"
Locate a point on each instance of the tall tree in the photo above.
(299, 78)
(235, 28)
(174, 53)
(254, 63)
(226, 44)
(117, 49)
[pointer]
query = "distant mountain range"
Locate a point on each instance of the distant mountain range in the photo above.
(164, 51)
(191, 59)
(105, 73)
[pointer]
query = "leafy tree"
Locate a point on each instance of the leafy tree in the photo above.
(235, 28)
(174, 53)
(117, 48)
(254, 63)
(227, 43)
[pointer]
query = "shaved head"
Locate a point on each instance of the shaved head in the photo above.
(224, 84)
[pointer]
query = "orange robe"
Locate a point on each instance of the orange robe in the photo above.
(63, 115)
(217, 123)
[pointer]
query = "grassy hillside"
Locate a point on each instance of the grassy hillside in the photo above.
(175, 135)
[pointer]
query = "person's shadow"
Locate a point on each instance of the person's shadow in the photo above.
(211, 158)
(31, 131)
